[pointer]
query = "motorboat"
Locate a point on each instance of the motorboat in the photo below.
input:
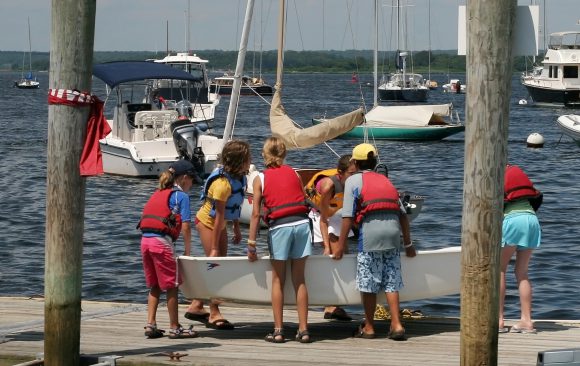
(196, 90)
(454, 86)
(406, 123)
(223, 85)
(557, 82)
(570, 126)
(146, 138)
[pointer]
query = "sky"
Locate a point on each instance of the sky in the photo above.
(157, 25)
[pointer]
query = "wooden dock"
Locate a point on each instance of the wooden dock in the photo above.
(117, 329)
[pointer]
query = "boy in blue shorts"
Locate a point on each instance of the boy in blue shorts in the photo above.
(372, 203)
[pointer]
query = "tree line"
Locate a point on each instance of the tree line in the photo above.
(294, 61)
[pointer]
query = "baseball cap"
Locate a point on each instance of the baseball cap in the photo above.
(361, 151)
(182, 167)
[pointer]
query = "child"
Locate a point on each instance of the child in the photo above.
(165, 216)
(223, 194)
(280, 191)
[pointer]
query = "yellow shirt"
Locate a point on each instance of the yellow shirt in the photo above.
(219, 190)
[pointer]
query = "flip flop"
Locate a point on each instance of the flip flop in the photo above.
(360, 332)
(517, 329)
(397, 335)
(202, 318)
(221, 324)
(338, 314)
(503, 330)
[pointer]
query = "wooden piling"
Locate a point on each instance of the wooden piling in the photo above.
(71, 55)
(489, 71)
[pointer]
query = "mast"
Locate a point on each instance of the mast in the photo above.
(376, 56)
(281, 30)
(235, 97)
(429, 22)
(29, 50)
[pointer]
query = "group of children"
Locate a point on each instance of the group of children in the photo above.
(368, 201)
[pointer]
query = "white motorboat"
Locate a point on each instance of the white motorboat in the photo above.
(144, 139)
(570, 126)
(454, 86)
(558, 81)
(197, 90)
(432, 273)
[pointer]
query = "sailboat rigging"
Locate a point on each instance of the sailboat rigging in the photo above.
(29, 81)
(283, 127)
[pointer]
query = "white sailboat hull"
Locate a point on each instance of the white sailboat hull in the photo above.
(432, 273)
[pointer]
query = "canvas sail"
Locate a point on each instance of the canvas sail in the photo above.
(282, 125)
(408, 116)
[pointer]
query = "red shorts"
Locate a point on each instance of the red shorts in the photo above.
(159, 263)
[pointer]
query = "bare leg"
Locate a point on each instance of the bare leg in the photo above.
(333, 239)
(393, 302)
(525, 287)
(506, 254)
(369, 301)
(172, 307)
(152, 304)
(278, 280)
(301, 291)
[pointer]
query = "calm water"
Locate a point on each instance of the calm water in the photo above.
(112, 265)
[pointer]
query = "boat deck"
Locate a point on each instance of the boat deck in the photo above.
(109, 328)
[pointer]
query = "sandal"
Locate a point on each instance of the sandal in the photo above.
(182, 332)
(151, 331)
(303, 336)
(397, 335)
(277, 336)
(360, 332)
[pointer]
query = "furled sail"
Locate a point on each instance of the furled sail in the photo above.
(284, 128)
(295, 138)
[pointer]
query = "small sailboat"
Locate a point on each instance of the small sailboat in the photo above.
(403, 86)
(27, 81)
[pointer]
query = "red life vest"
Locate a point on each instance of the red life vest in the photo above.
(283, 196)
(377, 194)
(158, 218)
(517, 185)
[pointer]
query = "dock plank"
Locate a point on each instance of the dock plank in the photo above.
(117, 329)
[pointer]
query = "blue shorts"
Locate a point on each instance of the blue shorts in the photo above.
(379, 271)
(521, 229)
(292, 242)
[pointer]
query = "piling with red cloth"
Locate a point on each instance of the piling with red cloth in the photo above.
(91, 162)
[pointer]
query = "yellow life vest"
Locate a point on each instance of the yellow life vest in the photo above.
(314, 195)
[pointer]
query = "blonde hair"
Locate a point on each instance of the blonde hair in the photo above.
(166, 179)
(274, 152)
(234, 156)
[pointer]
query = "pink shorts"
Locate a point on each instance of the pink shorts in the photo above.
(159, 263)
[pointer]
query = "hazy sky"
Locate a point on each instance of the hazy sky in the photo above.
(141, 25)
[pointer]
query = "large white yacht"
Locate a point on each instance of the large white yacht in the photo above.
(557, 82)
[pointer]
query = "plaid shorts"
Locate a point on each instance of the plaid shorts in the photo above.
(379, 271)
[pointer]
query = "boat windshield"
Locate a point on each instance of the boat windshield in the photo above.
(565, 40)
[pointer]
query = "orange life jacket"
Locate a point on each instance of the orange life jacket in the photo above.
(377, 194)
(314, 195)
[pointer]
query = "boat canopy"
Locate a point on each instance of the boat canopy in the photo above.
(115, 73)
(411, 115)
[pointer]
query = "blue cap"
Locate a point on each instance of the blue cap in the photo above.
(182, 167)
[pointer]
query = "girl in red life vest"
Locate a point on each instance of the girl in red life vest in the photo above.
(521, 235)
(280, 191)
(223, 195)
(165, 216)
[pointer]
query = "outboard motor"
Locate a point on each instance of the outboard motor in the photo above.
(185, 135)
